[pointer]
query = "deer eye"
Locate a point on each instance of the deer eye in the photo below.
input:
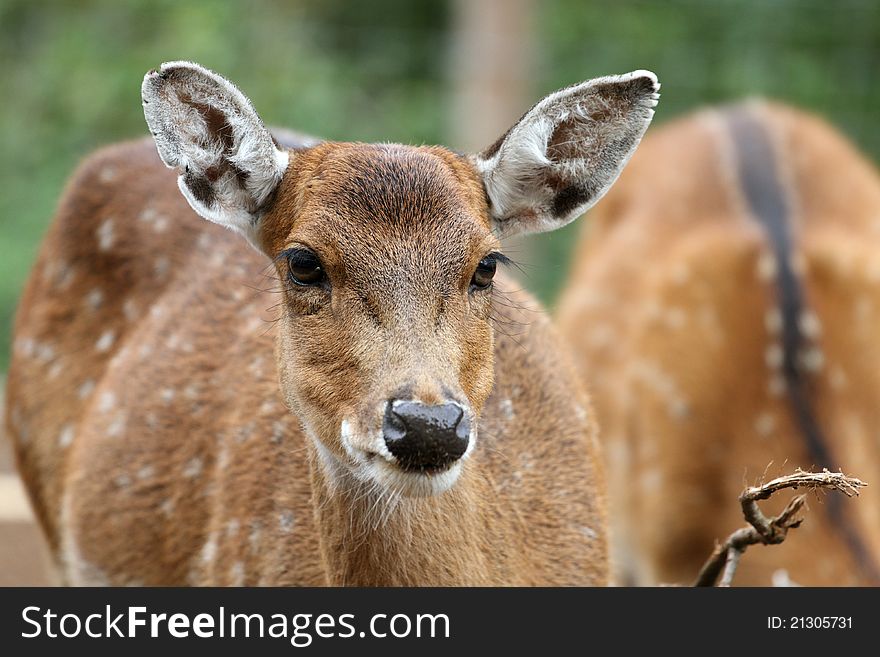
(304, 268)
(485, 272)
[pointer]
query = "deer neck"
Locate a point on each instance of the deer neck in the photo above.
(371, 538)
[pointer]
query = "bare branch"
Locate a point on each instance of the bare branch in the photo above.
(769, 531)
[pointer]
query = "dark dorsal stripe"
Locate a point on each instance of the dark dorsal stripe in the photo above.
(757, 169)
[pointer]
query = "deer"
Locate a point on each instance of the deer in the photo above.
(722, 311)
(400, 417)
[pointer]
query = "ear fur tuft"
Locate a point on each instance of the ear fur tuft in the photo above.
(566, 152)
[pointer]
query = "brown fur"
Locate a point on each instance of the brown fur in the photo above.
(166, 454)
(666, 309)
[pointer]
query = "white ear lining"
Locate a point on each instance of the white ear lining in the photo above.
(227, 171)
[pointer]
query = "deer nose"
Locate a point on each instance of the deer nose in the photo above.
(425, 437)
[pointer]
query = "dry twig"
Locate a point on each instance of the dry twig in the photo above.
(769, 531)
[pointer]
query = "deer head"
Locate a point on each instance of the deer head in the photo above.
(387, 253)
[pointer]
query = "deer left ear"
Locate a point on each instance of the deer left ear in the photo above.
(227, 161)
(566, 152)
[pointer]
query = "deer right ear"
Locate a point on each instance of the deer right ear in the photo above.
(204, 127)
(564, 153)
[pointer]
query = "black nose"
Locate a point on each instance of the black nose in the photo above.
(425, 437)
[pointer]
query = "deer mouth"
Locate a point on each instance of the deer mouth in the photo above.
(423, 483)
(431, 472)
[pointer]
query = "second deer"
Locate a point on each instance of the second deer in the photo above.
(724, 309)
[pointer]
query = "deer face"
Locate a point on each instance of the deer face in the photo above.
(386, 255)
(387, 259)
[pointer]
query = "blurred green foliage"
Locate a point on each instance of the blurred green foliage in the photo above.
(378, 70)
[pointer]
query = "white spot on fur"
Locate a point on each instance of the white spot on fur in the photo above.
(245, 432)
(167, 507)
(161, 267)
(278, 431)
(765, 423)
(193, 467)
(146, 472)
(55, 370)
(106, 402)
(249, 310)
(236, 574)
(172, 342)
(17, 419)
(588, 532)
(105, 235)
(107, 174)
(286, 521)
(167, 395)
(65, 278)
(95, 298)
(776, 386)
(209, 549)
(117, 426)
(65, 438)
(223, 456)
(44, 352)
(810, 325)
(122, 480)
(255, 535)
(665, 386)
(773, 321)
(839, 380)
(129, 310)
(232, 527)
(773, 356)
(766, 267)
(25, 347)
(507, 409)
(813, 360)
(50, 269)
(679, 409)
(254, 324)
(105, 342)
(121, 356)
(780, 578)
(256, 367)
(152, 216)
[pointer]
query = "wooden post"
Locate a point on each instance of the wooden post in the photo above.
(492, 60)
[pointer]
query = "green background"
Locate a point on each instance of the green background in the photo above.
(71, 72)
